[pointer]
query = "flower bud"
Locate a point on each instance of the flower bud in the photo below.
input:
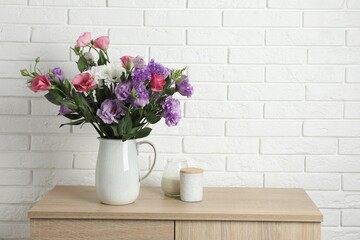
(24, 72)
(88, 56)
(37, 59)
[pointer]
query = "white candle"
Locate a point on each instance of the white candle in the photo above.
(171, 185)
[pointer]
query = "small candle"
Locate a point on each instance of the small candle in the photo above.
(171, 185)
(191, 184)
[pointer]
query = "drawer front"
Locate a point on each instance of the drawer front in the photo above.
(59, 229)
(216, 230)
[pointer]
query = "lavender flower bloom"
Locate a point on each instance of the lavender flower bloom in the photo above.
(158, 68)
(184, 87)
(58, 73)
(110, 110)
(171, 111)
(142, 95)
(123, 91)
(64, 110)
(141, 74)
(138, 62)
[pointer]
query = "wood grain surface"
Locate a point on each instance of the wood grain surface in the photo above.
(226, 204)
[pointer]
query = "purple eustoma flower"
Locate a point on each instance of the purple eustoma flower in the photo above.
(138, 62)
(110, 110)
(142, 95)
(123, 91)
(58, 74)
(141, 74)
(158, 68)
(171, 111)
(64, 110)
(184, 87)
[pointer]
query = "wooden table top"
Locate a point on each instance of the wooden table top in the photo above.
(226, 204)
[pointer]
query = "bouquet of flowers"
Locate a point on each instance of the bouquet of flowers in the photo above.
(119, 100)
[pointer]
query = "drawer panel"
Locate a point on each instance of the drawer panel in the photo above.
(216, 230)
(59, 229)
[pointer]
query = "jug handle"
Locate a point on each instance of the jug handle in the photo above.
(153, 164)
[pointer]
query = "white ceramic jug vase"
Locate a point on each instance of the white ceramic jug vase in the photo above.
(117, 176)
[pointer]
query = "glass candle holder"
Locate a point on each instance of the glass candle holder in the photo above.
(170, 182)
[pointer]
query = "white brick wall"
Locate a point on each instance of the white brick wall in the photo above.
(276, 104)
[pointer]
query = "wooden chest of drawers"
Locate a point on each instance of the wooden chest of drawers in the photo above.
(74, 212)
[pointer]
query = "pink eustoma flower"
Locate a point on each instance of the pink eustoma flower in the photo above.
(40, 83)
(157, 82)
(84, 82)
(102, 42)
(127, 59)
(84, 40)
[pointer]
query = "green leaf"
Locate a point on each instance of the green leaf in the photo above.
(143, 133)
(102, 59)
(82, 63)
(170, 91)
(152, 118)
(127, 123)
(72, 116)
(78, 122)
(52, 99)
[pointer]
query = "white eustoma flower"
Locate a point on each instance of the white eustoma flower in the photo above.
(109, 73)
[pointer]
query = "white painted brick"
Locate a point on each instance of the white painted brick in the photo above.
(46, 177)
(115, 52)
(162, 144)
(64, 143)
(208, 162)
(263, 128)
(334, 55)
(265, 163)
(182, 18)
(332, 164)
(156, 36)
(226, 73)
(16, 87)
(332, 199)
(349, 146)
(353, 4)
(33, 125)
(332, 128)
(147, 3)
(261, 19)
(351, 182)
(333, 92)
(13, 143)
(267, 55)
(305, 37)
(85, 160)
(220, 145)
(227, 4)
(298, 145)
(223, 110)
(15, 177)
(21, 194)
(303, 110)
(70, 69)
(11, 69)
(352, 110)
(350, 217)
(13, 2)
(29, 15)
(217, 36)
(222, 179)
(188, 55)
(62, 34)
(331, 19)
(309, 181)
(36, 160)
(353, 74)
(45, 108)
(69, 3)
(352, 38)
(340, 233)
(304, 74)
(112, 17)
(256, 92)
(14, 33)
(14, 212)
(306, 4)
(29, 51)
(208, 91)
(331, 217)
(87, 129)
(198, 127)
(15, 230)
(14, 106)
